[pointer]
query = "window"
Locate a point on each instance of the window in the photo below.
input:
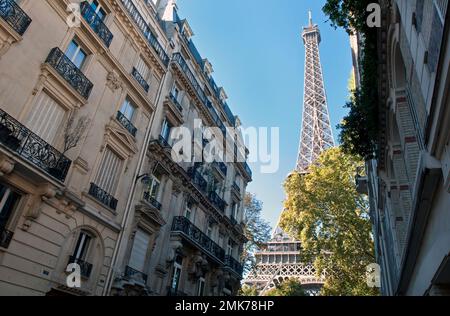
(8, 202)
(189, 213)
(139, 251)
(46, 118)
(143, 69)
(166, 131)
(177, 268)
(82, 246)
(153, 188)
(128, 109)
(98, 9)
(201, 287)
(234, 210)
(175, 92)
(209, 230)
(230, 247)
(109, 172)
(76, 54)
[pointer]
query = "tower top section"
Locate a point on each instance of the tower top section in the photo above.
(312, 30)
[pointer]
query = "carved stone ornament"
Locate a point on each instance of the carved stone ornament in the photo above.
(113, 81)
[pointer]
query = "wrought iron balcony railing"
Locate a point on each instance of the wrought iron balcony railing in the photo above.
(19, 139)
(152, 201)
(11, 12)
(85, 267)
(146, 30)
(126, 123)
(134, 274)
(164, 142)
(198, 179)
(184, 66)
(102, 196)
(222, 167)
(234, 265)
(135, 73)
(248, 170)
(236, 188)
(96, 23)
(5, 237)
(175, 101)
(67, 69)
(196, 236)
(215, 199)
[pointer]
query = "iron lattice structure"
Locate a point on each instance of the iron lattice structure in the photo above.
(316, 133)
(280, 259)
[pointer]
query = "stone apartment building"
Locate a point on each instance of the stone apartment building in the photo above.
(408, 183)
(87, 103)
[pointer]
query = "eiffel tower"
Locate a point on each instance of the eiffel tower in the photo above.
(280, 259)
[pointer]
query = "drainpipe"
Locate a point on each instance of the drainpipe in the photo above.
(128, 208)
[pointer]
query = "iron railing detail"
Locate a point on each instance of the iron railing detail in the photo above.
(13, 14)
(132, 273)
(182, 225)
(152, 201)
(142, 82)
(70, 72)
(96, 23)
(85, 267)
(146, 30)
(125, 122)
(234, 265)
(102, 196)
(19, 139)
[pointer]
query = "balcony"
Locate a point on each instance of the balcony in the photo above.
(96, 23)
(248, 170)
(194, 235)
(164, 142)
(103, 197)
(85, 267)
(175, 293)
(215, 199)
(236, 189)
(153, 202)
(234, 265)
(190, 76)
(125, 122)
(5, 237)
(221, 167)
(67, 69)
(146, 30)
(23, 142)
(135, 73)
(11, 12)
(175, 101)
(198, 179)
(135, 275)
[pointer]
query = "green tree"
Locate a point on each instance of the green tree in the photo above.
(289, 287)
(359, 129)
(257, 230)
(326, 213)
(247, 290)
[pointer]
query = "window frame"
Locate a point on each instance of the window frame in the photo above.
(79, 48)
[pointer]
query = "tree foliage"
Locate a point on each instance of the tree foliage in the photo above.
(325, 212)
(359, 129)
(291, 287)
(247, 290)
(257, 230)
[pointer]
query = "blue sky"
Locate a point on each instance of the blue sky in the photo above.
(257, 54)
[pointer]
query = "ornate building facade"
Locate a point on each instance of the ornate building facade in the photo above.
(408, 183)
(86, 174)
